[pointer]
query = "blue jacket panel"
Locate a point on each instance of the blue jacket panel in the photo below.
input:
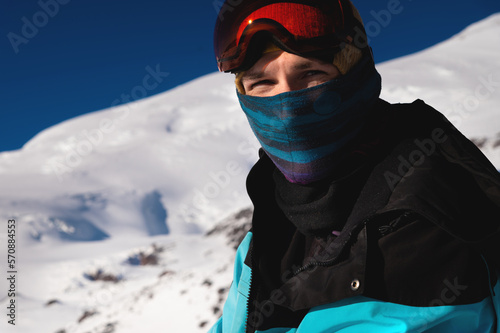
(235, 309)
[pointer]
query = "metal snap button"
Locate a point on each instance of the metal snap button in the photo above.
(355, 284)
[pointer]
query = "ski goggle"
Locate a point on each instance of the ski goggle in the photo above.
(301, 28)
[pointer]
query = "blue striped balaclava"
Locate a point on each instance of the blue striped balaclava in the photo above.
(304, 131)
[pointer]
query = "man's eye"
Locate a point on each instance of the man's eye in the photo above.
(261, 82)
(311, 73)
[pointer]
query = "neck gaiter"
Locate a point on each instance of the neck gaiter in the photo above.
(304, 131)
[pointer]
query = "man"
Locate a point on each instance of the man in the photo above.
(368, 217)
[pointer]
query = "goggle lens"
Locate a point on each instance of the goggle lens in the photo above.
(295, 25)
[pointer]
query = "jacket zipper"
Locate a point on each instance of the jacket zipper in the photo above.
(334, 260)
(251, 292)
(385, 229)
(394, 225)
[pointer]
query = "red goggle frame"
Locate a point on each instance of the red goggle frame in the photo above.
(295, 26)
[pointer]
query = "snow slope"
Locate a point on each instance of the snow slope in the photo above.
(114, 208)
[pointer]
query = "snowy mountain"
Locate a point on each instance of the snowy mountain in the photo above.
(127, 218)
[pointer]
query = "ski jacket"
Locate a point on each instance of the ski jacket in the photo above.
(419, 251)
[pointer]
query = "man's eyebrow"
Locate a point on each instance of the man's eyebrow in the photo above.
(303, 65)
(252, 76)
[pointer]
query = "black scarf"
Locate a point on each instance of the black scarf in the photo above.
(322, 207)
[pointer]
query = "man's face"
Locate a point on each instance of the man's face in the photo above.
(278, 72)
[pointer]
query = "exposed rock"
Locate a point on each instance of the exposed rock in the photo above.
(234, 227)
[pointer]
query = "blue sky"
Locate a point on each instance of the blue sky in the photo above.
(63, 58)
